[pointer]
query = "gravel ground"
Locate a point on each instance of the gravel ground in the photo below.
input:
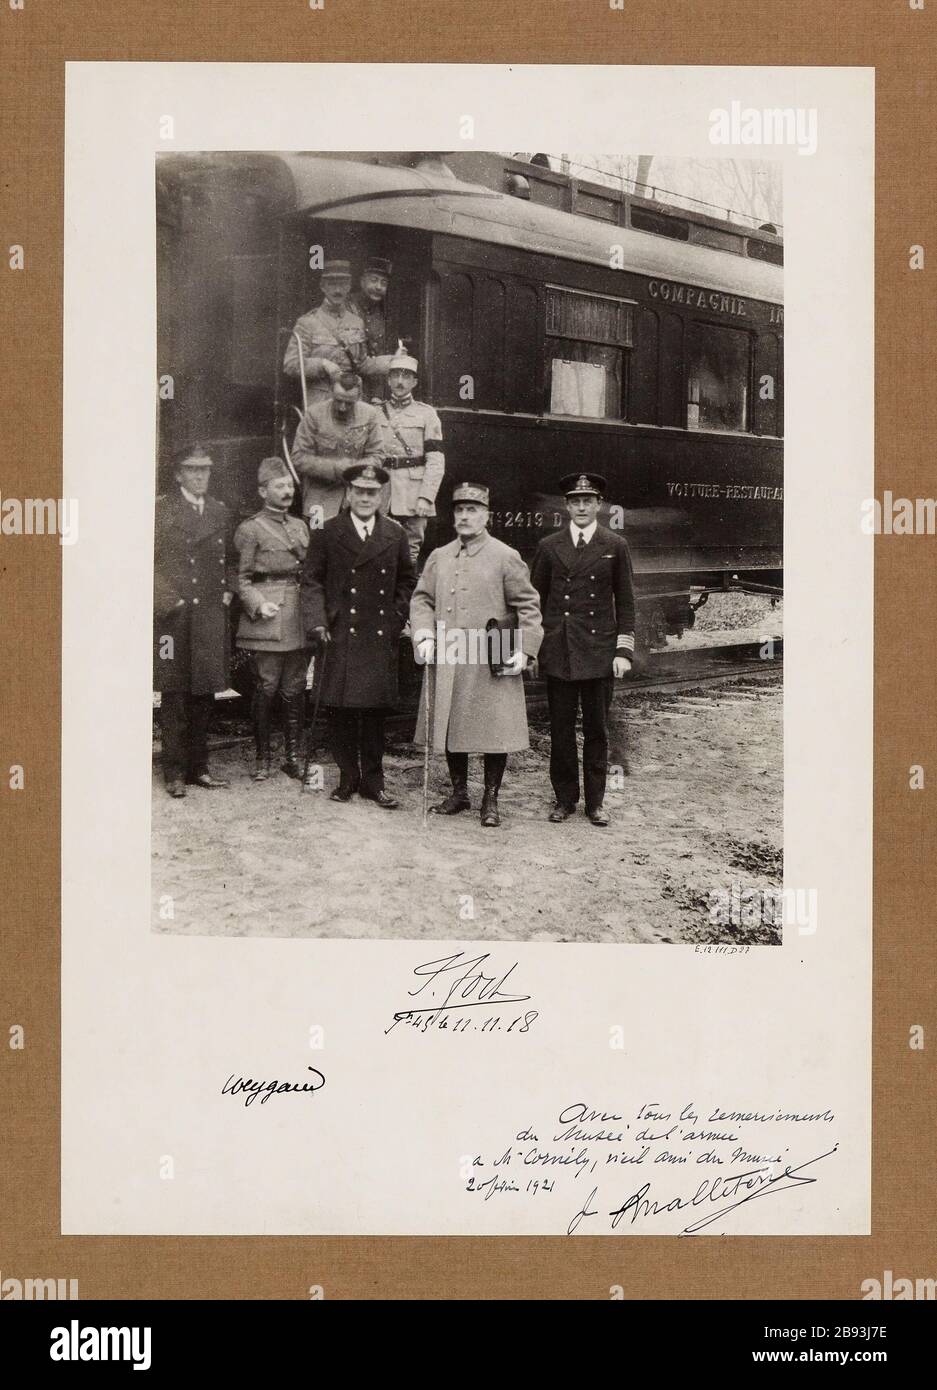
(700, 809)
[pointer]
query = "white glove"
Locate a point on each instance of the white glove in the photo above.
(425, 651)
(514, 665)
(620, 667)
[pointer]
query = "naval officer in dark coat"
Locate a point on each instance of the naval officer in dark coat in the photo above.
(194, 581)
(356, 590)
(584, 578)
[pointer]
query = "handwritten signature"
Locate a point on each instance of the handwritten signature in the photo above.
(461, 982)
(265, 1089)
(755, 1183)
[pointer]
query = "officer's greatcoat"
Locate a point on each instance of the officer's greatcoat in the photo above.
(588, 604)
(461, 589)
(360, 591)
(192, 562)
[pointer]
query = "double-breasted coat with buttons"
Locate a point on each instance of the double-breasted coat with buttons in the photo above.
(588, 604)
(193, 561)
(360, 591)
(458, 592)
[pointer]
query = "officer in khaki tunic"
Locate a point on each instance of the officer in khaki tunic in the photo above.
(271, 548)
(356, 591)
(333, 337)
(333, 435)
(369, 301)
(413, 454)
(583, 575)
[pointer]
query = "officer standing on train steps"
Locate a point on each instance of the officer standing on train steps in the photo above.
(271, 548)
(333, 337)
(583, 575)
(413, 453)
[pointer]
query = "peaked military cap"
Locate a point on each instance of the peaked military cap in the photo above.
(402, 361)
(366, 475)
(333, 269)
(471, 492)
(378, 266)
(583, 484)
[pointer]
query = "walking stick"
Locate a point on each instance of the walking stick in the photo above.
(430, 675)
(311, 733)
(302, 369)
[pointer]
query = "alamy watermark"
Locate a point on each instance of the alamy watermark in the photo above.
(40, 516)
(774, 125)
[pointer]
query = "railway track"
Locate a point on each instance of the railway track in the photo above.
(671, 671)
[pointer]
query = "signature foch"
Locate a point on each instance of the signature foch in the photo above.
(459, 982)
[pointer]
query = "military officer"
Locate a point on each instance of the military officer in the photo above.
(333, 336)
(356, 588)
(369, 302)
(474, 581)
(271, 548)
(333, 435)
(583, 575)
(193, 586)
(412, 443)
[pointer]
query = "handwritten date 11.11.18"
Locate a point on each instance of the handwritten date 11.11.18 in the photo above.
(465, 994)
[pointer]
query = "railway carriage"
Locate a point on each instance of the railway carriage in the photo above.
(559, 325)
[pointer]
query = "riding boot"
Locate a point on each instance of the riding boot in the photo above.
(293, 711)
(495, 763)
(260, 712)
(458, 798)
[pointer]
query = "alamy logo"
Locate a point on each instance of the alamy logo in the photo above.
(749, 125)
(38, 1288)
(889, 1289)
(77, 1343)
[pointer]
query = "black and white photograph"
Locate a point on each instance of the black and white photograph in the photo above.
(469, 547)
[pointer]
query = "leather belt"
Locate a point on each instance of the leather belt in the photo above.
(287, 574)
(417, 461)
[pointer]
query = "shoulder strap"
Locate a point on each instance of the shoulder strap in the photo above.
(396, 433)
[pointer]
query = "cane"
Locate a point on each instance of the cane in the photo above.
(430, 675)
(311, 733)
(302, 368)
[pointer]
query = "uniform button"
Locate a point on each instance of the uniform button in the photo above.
(591, 576)
(194, 580)
(383, 571)
(195, 600)
(452, 591)
(381, 592)
(380, 632)
(352, 631)
(593, 631)
(591, 612)
(192, 561)
(566, 596)
(380, 612)
(448, 610)
(354, 610)
(592, 595)
(354, 591)
(566, 614)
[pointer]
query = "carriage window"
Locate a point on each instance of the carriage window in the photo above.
(717, 378)
(586, 335)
